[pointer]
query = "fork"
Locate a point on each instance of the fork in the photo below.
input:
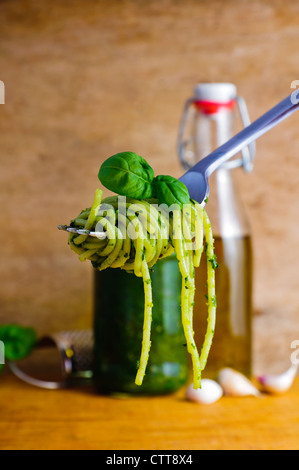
(82, 231)
(196, 179)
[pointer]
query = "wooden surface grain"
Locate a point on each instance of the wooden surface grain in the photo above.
(33, 418)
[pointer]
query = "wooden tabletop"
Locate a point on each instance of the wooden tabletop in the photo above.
(34, 418)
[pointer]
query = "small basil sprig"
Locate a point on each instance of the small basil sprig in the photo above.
(169, 190)
(128, 174)
(18, 341)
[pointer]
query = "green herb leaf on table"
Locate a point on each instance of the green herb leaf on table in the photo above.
(18, 341)
(127, 174)
(168, 190)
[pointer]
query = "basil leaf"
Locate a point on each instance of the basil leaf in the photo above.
(127, 174)
(18, 341)
(169, 190)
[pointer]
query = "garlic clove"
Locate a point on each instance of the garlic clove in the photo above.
(278, 383)
(236, 384)
(210, 392)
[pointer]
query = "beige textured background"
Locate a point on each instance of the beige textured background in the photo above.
(85, 80)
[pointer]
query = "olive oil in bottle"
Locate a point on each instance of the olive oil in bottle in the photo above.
(211, 125)
(231, 345)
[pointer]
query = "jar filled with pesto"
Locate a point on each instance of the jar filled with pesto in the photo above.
(118, 323)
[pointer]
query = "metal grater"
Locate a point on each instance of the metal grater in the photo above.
(76, 353)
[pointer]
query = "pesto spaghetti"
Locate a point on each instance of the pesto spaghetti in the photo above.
(139, 233)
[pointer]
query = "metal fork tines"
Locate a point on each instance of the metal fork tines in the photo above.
(82, 231)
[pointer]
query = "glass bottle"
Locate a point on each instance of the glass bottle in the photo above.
(208, 121)
(118, 322)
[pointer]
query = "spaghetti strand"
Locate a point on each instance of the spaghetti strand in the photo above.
(137, 236)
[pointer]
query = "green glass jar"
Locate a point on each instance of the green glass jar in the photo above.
(118, 323)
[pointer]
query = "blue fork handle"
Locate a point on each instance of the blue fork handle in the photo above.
(210, 163)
